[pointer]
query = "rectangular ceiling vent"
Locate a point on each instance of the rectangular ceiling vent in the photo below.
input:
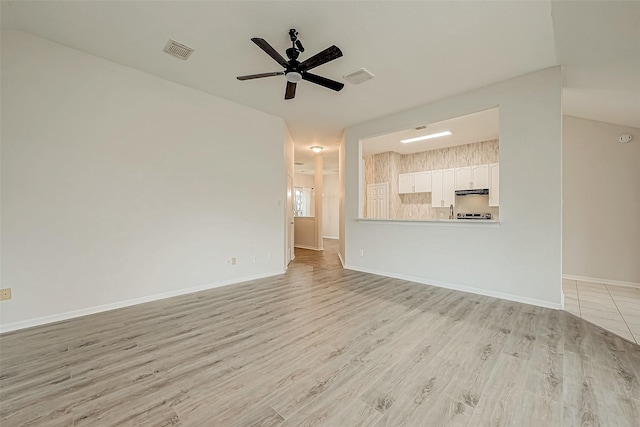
(358, 76)
(178, 50)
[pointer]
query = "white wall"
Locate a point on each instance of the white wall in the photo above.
(289, 149)
(601, 212)
(331, 206)
(304, 180)
(342, 183)
(520, 259)
(120, 187)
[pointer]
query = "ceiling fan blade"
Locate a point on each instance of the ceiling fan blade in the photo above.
(290, 93)
(262, 44)
(329, 54)
(257, 76)
(322, 81)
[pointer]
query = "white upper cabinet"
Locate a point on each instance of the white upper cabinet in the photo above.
(448, 187)
(443, 183)
(494, 184)
(443, 188)
(422, 182)
(419, 182)
(463, 178)
(480, 176)
(472, 177)
(406, 182)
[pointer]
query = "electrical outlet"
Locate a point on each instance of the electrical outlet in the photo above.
(255, 258)
(361, 252)
(5, 294)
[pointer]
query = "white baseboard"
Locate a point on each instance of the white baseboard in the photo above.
(604, 281)
(478, 291)
(308, 247)
(127, 303)
(330, 237)
(341, 260)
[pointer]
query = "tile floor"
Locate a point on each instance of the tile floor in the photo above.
(615, 308)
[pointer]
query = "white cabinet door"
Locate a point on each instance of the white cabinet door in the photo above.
(443, 188)
(480, 176)
(406, 183)
(422, 182)
(436, 189)
(463, 178)
(494, 184)
(448, 187)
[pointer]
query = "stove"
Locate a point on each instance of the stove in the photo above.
(474, 216)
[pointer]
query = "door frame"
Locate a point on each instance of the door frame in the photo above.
(289, 221)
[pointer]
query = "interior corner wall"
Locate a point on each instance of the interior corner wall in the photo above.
(601, 211)
(521, 258)
(341, 209)
(119, 187)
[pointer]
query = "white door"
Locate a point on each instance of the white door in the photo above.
(378, 200)
(289, 229)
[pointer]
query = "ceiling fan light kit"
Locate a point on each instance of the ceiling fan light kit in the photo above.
(295, 71)
(293, 77)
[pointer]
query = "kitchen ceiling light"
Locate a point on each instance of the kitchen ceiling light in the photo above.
(421, 138)
(316, 149)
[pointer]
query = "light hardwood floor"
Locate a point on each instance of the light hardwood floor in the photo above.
(321, 346)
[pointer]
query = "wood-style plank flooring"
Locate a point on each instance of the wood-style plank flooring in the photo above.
(321, 346)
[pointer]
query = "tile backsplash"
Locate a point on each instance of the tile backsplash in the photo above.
(385, 167)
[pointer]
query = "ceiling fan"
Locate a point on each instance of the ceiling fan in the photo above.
(295, 71)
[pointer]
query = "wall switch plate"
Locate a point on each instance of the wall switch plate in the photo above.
(361, 252)
(5, 294)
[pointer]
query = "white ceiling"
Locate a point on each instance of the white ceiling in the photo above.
(476, 127)
(419, 52)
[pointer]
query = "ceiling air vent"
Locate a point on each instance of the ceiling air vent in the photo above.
(358, 76)
(178, 50)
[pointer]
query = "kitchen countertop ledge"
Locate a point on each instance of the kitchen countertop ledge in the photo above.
(484, 223)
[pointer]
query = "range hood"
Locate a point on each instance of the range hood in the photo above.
(477, 192)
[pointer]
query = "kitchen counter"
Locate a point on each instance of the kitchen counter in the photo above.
(486, 223)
